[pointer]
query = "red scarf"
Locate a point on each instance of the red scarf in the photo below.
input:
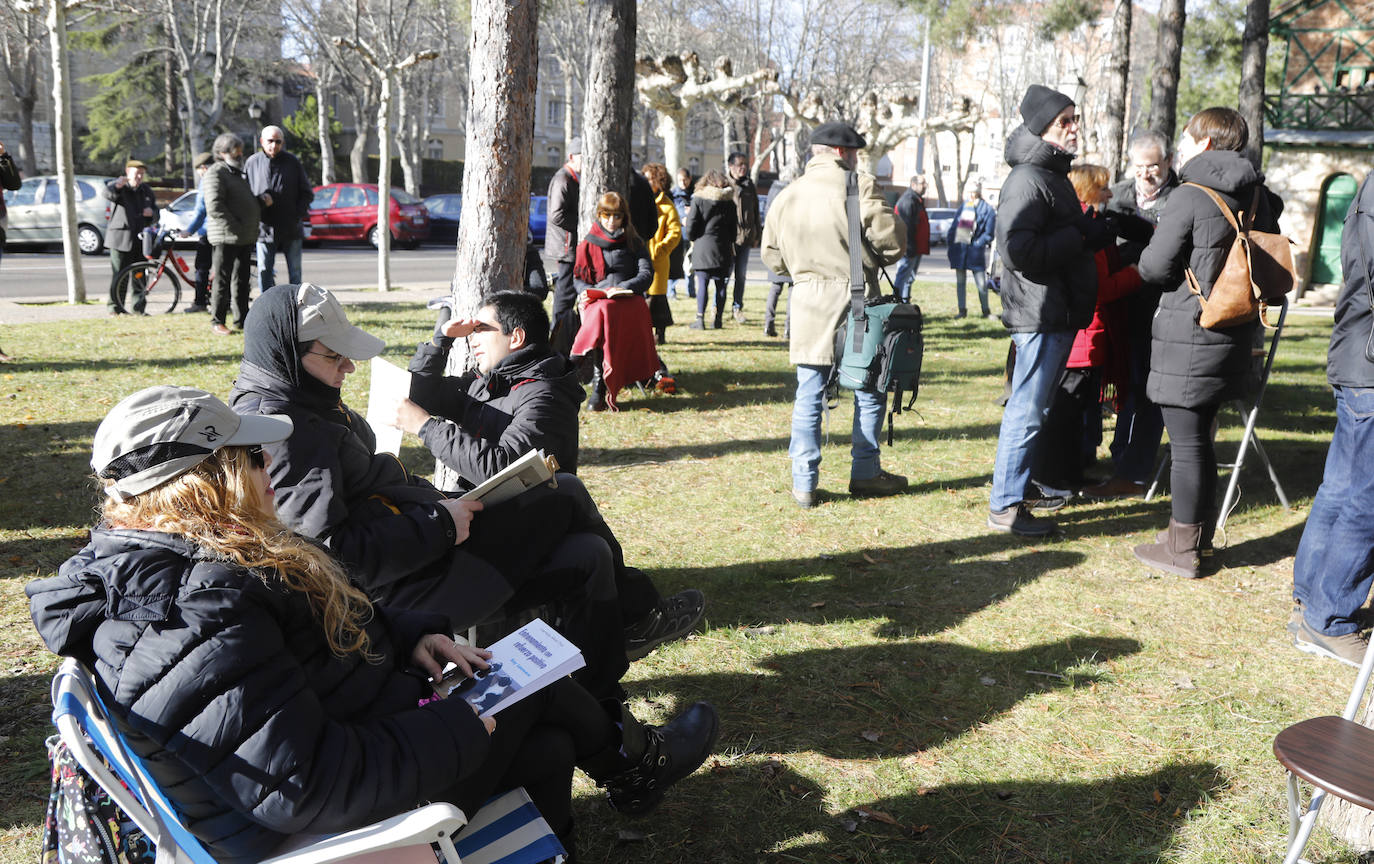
(590, 266)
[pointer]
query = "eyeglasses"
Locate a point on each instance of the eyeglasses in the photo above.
(255, 456)
(1066, 122)
(330, 357)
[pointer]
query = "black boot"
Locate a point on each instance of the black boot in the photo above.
(716, 325)
(651, 758)
(596, 399)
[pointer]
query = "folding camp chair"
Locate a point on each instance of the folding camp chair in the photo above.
(507, 829)
(1249, 440)
(1332, 754)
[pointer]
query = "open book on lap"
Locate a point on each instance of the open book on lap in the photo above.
(532, 657)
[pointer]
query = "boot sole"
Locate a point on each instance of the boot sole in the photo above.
(1176, 570)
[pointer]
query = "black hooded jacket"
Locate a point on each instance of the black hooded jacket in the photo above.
(1191, 366)
(1050, 284)
(224, 683)
(1348, 363)
(330, 484)
(482, 423)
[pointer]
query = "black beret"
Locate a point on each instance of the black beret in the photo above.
(836, 134)
(1040, 106)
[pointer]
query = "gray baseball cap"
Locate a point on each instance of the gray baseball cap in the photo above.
(320, 318)
(160, 433)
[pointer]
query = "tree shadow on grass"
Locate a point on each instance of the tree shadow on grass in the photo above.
(24, 723)
(94, 365)
(46, 475)
(1259, 551)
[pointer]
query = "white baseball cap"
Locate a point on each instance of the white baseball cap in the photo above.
(320, 318)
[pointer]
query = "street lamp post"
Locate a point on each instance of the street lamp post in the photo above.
(254, 112)
(185, 147)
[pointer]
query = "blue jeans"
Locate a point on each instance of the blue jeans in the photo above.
(741, 271)
(267, 257)
(1040, 359)
(1335, 563)
(906, 272)
(807, 411)
(980, 280)
(703, 277)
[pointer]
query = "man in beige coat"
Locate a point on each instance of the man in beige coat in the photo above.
(806, 239)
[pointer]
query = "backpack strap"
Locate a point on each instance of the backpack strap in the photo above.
(856, 263)
(1248, 218)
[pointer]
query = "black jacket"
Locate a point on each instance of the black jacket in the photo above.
(1050, 282)
(643, 206)
(1123, 201)
(628, 264)
(1352, 335)
(127, 219)
(711, 225)
(9, 179)
(1191, 366)
(560, 233)
(748, 228)
(483, 423)
(225, 685)
(284, 178)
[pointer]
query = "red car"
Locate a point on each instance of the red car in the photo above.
(348, 211)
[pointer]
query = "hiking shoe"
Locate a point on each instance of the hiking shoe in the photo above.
(1046, 503)
(1018, 520)
(1115, 487)
(1348, 649)
(665, 384)
(195, 308)
(697, 324)
(739, 315)
(878, 486)
(805, 498)
(673, 618)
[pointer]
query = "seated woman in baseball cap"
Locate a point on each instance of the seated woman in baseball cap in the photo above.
(265, 692)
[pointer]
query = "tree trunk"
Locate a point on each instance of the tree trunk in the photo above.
(936, 172)
(172, 131)
(671, 127)
(569, 92)
(503, 76)
(1118, 75)
(27, 156)
(404, 138)
(1351, 824)
(1254, 47)
(384, 108)
(608, 104)
(357, 156)
(1168, 55)
(62, 139)
(324, 132)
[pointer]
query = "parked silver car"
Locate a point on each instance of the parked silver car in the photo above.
(35, 216)
(940, 220)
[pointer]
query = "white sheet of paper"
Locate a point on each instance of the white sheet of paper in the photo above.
(390, 384)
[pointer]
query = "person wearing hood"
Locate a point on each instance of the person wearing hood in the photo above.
(525, 396)
(232, 216)
(266, 694)
(1193, 369)
(1048, 290)
(712, 226)
(806, 240)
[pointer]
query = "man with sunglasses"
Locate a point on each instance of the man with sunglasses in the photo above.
(1048, 291)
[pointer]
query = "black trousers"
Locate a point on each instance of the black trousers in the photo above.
(232, 265)
(564, 319)
(205, 260)
(1193, 469)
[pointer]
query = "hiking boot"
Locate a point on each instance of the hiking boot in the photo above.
(805, 498)
(1178, 552)
(665, 383)
(195, 308)
(1018, 520)
(1348, 649)
(673, 618)
(1046, 503)
(699, 323)
(651, 758)
(1115, 487)
(878, 486)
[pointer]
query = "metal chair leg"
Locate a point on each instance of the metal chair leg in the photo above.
(1300, 828)
(1159, 473)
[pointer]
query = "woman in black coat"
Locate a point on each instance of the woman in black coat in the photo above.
(711, 224)
(1194, 369)
(265, 692)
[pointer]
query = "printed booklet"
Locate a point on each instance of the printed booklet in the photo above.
(532, 657)
(530, 470)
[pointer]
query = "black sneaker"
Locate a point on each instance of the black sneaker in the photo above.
(673, 618)
(1047, 503)
(882, 484)
(1018, 520)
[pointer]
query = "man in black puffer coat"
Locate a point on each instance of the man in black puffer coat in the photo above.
(1048, 291)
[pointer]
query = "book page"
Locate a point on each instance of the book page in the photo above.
(532, 469)
(532, 657)
(390, 384)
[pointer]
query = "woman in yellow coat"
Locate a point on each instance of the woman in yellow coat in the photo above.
(661, 247)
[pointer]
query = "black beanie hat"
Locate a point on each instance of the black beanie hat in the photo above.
(1040, 106)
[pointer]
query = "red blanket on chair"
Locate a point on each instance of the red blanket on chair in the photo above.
(622, 330)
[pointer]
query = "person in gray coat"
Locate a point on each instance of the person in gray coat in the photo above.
(232, 216)
(135, 208)
(1194, 369)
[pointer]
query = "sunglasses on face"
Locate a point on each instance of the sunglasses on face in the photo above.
(255, 457)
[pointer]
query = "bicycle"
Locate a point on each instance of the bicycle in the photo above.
(164, 275)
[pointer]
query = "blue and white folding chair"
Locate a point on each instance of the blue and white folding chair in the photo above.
(85, 725)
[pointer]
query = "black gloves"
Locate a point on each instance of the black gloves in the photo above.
(1096, 234)
(1130, 227)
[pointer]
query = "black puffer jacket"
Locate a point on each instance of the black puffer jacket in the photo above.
(1050, 283)
(228, 689)
(712, 225)
(627, 261)
(1352, 335)
(1191, 366)
(483, 423)
(560, 234)
(330, 485)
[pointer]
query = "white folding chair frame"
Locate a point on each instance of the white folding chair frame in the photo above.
(77, 713)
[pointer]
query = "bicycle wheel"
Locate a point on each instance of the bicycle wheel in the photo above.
(160, 285)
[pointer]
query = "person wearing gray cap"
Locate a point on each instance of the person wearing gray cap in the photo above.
(266, 694)
(1048, 292)
(560, 243)
(806, 240)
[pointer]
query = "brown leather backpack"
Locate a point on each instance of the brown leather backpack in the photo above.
(1258, 271)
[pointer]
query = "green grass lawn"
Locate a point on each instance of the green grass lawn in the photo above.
(896, 682)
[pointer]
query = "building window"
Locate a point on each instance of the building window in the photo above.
(555, 154)
(434, 149)
(694, 165)
(553, 112)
